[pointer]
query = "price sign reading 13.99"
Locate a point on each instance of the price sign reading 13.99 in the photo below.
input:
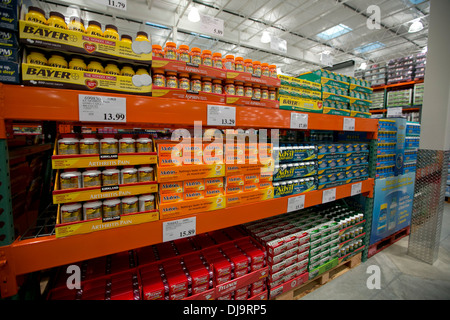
(102, 108)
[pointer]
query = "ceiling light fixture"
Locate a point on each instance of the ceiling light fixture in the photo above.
(194, 16)
(363, 66)
(416, 26)
(265, 38)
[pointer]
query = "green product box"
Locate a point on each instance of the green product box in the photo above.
(361, 102)
(335, 97)
(359, 114)
(300, 104)
(299, 92)
(300, 83)
(323, 268)
(360, 88)
(337, 112)
(335, 90)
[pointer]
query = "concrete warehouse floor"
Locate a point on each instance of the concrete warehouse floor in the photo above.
(402, 277)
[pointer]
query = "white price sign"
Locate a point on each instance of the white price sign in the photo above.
(221, 116)
(178, 229)
(349, 124)
(299, 121)
(211, 25)
(102, 108)
(395, 112)
(356, 189)
(116, 4)
(296, 203)
(328, 195)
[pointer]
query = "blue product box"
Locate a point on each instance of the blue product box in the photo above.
(8, 53)
(295, 170)
(296, 154)
(8, 38)
(292, 187)
(9, 72)
(9, 14)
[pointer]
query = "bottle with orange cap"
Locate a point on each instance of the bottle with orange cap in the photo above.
(183, 53)
(196, 56)
(265, 69)
(239, 64)
(257, 68)
(228, 62)
(157, 51)
(248, 66)
(217, 60)
(170, 51)
(273, 71)
(207, 58)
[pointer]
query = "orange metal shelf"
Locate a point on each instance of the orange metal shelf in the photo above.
(400, 84)
(31, 103)
(404, 110)
(37, 254)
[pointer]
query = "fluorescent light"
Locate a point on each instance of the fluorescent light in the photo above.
(334, 32)
(363, 66)
(369, 47)
(416, 26)
(194, 16)
(155, 25)
(265, 38)
(425, 49)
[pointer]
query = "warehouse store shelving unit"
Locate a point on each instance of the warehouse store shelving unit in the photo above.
(19, 256)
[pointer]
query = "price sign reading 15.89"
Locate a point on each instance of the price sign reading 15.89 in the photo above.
(178, 229)
(102, 108)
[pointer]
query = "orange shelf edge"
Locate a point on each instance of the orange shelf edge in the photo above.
(62, 105)
(47, 252)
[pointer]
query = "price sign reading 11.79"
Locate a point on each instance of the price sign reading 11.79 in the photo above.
(117, 4)
(102, 108)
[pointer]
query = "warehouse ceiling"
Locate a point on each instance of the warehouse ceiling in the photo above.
(305, 34)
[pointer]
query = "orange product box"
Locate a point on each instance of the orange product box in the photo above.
(234, 189)
(232, 149)
(213, 149)
(237, 180)
(214, 183)
(165, 148)
(192, 160)
(264, 185)
(207, 159)
(250, 187)
(251, 148)
(194, 195)
(194, 185)
(251, 178)
(214, 192)
(234, 159)
(251, 158)
(171, 187)
(265, 177)
(265, 149)
(193, 149)
(171, 197)
(169, 161)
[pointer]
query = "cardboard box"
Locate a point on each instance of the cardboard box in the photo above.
(175, 93)
(250, 102)
(300, 104)
(81, 227)
(99, 193)
(190, 172)
(172, 210)
(51, 77)
(249, 197)
(65, 40)
(9, 15)
(9, 72)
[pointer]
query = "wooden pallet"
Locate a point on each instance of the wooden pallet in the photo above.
(388, 241)
(322, 279)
